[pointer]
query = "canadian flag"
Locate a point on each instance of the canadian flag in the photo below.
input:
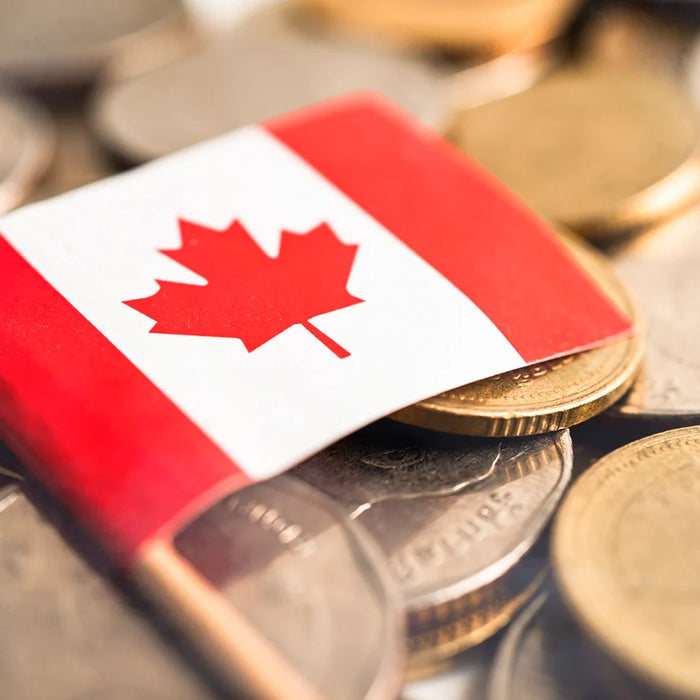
(219, 315)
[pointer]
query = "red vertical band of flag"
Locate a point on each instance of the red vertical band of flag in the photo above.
(107, 441)
(459, 219)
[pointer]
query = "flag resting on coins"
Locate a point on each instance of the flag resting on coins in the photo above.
(346, 223)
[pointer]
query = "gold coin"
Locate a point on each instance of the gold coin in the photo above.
(446, 632)
(547, 396)
(598, 150)
(489, 26)
(626, 557)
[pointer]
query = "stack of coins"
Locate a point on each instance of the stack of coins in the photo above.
(419, 545)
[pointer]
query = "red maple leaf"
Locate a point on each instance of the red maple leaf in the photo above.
(248, 294)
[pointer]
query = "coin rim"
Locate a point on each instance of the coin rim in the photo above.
(504, 421)
(565, 525)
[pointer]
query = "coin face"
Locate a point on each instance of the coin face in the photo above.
(626, 558)
(308, 579)
(66, 633)
(661, 271)
(452, 514)
(26, 149)
(272, 63)
(597, 149)
(491, 26)
(547, 396)
(544, 655)
(64, 41)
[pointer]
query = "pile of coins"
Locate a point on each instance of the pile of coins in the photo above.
(421, 546)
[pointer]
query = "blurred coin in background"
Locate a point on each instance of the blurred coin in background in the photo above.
(599, 150)
(488, 26)
(661, 270)
(272, 63)
(27, 144)
(65, 633)
(307, 578)
(455, 517)
(626, 558)
(544, 655)
(66, 42)
(547, 396)
(626, 35)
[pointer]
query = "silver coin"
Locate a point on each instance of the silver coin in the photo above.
(452, 514)
(27, 144)
(65, 633)
(311, 581)
(270, 64)
(66, 41)
(544, 655)
(660, 270)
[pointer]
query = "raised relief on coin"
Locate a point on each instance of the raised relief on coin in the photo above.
(308, 579)
(65, 633)
(487, 26)
(625, 549)
(270, 64)
(453, 515)
(26, 149)
(58, 42)
(597, 149)
(661, 270)
(547, 396)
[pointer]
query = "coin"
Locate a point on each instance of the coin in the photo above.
(597, 149)
(309, 580)
(58, 42)
(489, 26)
(547, 396)
(78, 160)
(454, 516)
(543, 655)
(626, 559)
(65, 633)
(26, 149)
(661, 271)
(272, 63)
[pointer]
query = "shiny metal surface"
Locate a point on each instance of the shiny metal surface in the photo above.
(60, 42)
(66, 633)
(309, 580)
(27, 144)
(452, 514)
(272, 63)
(544, 655)
(661, 271)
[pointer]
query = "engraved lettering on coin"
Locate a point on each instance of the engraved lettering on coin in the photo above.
(452, 526)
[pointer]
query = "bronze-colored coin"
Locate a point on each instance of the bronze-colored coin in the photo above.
(55, 42)
(490, 26)
(26, 149)
(66, 634)
(270, 64)
(626, 558)
(661, 270)
(598, 150)
(548, 396)
(458, 519)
